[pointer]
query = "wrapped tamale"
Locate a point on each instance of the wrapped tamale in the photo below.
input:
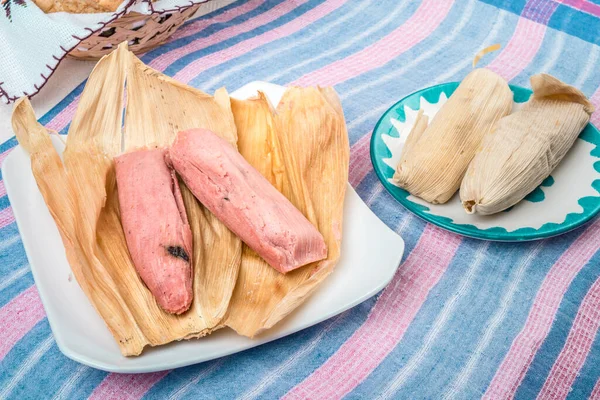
(81, 193)
(436, 156)
(525, 147)
(307, 138)
(156, 227)
(244, 200)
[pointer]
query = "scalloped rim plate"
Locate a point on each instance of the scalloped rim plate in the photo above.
(564, 201)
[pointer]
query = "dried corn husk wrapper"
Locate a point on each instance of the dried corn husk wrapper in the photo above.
(303, 150)
(435, 156)
(525, 147)
(81, 194)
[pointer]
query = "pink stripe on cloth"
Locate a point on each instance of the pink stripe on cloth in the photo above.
(18, 317)
(543, 311)
(360, 162)
(204, 63)
(387, 322)
(226, 16)
(595, 99)
(2, 189)
(4, 155)
(62, 119)
(126, 386)
(576, 349)
(596, 392)
(582, 5)
(6, 217)
(425, 20)
(163, 61)
(521, 49)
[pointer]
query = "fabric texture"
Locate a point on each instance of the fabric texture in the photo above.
(462, 318)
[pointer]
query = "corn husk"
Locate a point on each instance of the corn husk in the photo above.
(155, 118)
(525, 147)
(436, 157)
(483, 52)
(304, 152)
(81, 194)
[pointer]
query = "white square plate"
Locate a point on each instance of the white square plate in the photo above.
(371, 253)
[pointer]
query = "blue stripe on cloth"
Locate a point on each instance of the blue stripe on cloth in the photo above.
(281, 54)
(4, 203)
(79, 384)
(367, 186)
(392, 213)
(50, 372)
(9, 144)
(15, 379)
(218, 11)
(181, 382)
(584, 26)
(548, 353)
(15, 287)
(589, 374)
(514, 6)
(592, 81)
(295, 13)
(14, 271)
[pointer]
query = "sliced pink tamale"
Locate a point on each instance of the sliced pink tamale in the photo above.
(156, 227)
(240, 197)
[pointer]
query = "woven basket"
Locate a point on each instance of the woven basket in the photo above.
(143, 32)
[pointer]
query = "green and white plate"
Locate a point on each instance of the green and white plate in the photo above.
(567, 199)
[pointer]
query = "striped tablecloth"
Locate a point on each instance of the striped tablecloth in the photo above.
(462, 318)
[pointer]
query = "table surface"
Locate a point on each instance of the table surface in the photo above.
(462, 318)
